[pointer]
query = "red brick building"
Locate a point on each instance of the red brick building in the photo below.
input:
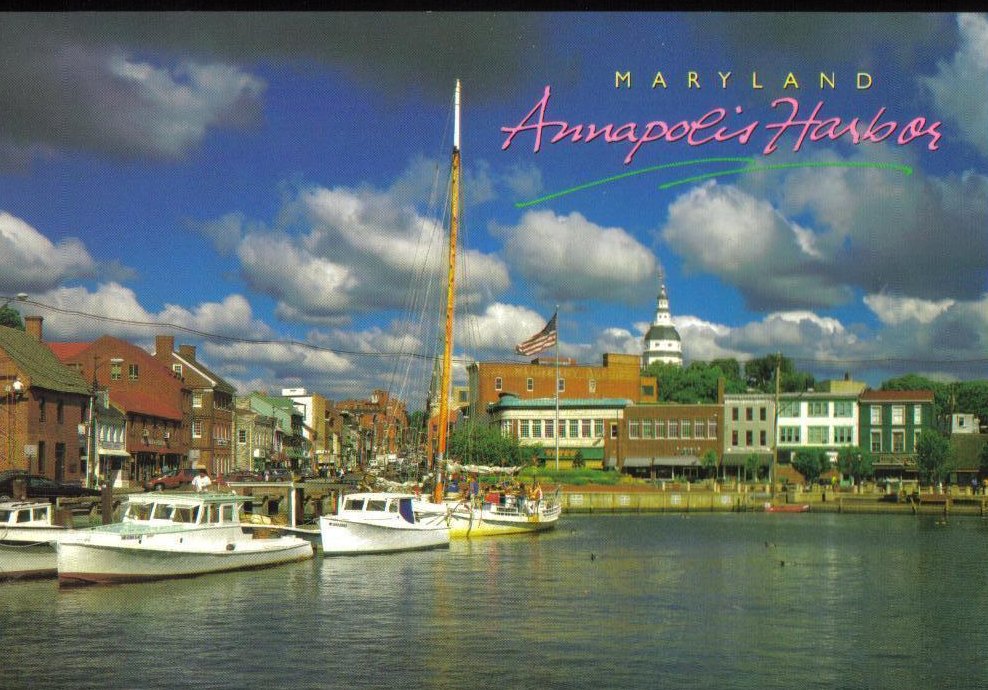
(620, 376)
(666, 439)
(154, 400)
(377, 426)
(211, 403)
(44, 406)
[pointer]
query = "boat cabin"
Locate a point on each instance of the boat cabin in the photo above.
(24, 513)
(379, 504)
(219, 509)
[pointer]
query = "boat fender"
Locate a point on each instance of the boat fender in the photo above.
(231, 547)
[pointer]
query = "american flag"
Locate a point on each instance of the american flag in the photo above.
(542, 340)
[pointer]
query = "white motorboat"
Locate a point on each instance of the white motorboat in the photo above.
(381, 522)
(27, 539)
(172, 535)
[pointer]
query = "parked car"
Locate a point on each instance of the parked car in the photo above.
(171, 479)
(238, 476)
(42, 487)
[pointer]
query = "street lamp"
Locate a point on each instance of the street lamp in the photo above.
(20, 297)
(92, 468)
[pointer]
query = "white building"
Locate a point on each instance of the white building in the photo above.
(824, 421)
(662, 343)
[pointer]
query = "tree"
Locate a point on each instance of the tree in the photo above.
(483, 445)
(709, 462)
(751, 464)
(811, 464)
(931, 455)
(11, 317)
(857, 463)
(696, 383)
(972, 397)
(914, 382)
(578, 459)
(760, 374)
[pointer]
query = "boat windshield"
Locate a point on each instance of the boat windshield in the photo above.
(376, 504)
(4, 516)
(162, 511)
(138, 511)
(41, 513)
(354, 504)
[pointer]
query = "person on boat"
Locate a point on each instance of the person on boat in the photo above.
(520, 493)
(536, 494)
(201, 482)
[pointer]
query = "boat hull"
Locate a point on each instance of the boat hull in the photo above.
(23, 560)
(342, 537)
(787, 508)
(492, 520)
(97, 561)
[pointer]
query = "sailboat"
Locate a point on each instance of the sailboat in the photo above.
(496, 513)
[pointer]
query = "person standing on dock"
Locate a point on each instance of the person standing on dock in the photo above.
(201, 482)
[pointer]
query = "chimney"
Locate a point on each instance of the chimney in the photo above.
(32, 326)
(164, 345)
(187, 352)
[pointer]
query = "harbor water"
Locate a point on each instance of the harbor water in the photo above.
(714, 600)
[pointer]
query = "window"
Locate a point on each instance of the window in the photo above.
(536, 428)
(574, 428)
(684, 429)
(648, 391)
(585, 428)
(42, 414)
(177, 368)
(763, 438)
(598, 428)
(876, 440)
(734, 437)
(899, 441)
(673, 428)
(497, 383)
(60, 412)
(41, 457)
(876, 414)
(563, 426)
(898, 415)
(115, 368)
(788, 434)
(648, 429)
(749, 437)
(196, 398)
(196, 428)
(789, 408)
(633, 428)
(561, 384)
(843, 408)
(530, 384)
(734, 414)
(592, 385)
(698, 428)
(550, 428)
(524, 429)
(818, 408)
(916, 439)
(843, 434)
(918, 415)
(614, 430)
(818, 435)
(660, 428)
(132, 372)
(242, 436)
(712, 427)
(749, 414)
(762, 414)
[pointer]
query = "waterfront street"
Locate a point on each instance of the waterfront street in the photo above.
(704, 600)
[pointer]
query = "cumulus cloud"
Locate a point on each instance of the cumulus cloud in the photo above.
(744, 240)
(965, 107)
(341, 251)
(32, 263)
(894, 310)
(569, 258)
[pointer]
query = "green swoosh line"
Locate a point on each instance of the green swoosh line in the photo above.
(905, 169)
(613, 178)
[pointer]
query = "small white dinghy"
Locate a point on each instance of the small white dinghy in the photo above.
(172, 535)
(381, 522)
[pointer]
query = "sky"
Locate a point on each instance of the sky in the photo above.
(271, 187)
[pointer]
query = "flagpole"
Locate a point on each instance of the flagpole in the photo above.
(556, 316)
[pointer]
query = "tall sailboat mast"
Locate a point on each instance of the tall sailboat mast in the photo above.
(454, 223)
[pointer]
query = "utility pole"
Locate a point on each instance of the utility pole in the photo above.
(775, 431)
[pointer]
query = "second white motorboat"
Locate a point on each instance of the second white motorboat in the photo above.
(172, 535)
(27, 539)
(380, 522)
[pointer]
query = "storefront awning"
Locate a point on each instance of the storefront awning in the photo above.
(668, 461)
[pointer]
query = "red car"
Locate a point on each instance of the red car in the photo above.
(172, 479)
